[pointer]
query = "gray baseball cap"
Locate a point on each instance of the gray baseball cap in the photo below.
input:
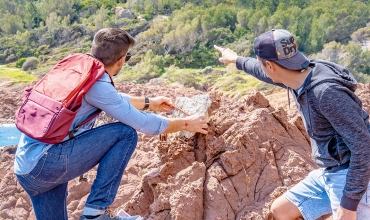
(279, 45)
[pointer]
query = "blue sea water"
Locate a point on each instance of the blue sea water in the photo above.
(9, 135)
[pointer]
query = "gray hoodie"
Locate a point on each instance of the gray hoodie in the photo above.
(338, 126)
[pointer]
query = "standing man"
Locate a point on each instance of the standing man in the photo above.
(338, 127)
(43, 170)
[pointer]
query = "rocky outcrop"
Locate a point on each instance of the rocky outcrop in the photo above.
(122, 13)
(254, 152)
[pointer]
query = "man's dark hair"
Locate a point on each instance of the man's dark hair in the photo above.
(111, 44)
(263, 61)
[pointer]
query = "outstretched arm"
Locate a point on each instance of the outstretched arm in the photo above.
(124, 108)
(228, 56)
(247, 64)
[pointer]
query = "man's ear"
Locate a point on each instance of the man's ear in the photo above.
(120, 62)
(270, 65)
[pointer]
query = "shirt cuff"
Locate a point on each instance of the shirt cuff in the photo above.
(348, 203)
(153, 120)
(164, 125)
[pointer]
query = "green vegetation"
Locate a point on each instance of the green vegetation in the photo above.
(20, 62)
(175, 38)
(16, 75)
(239, 84)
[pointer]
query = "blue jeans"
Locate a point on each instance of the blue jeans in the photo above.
(320, 193)
(110, 146)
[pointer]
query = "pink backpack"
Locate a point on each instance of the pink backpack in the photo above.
(48, 109)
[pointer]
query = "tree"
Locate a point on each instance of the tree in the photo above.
(61, 7)
(284, 17)
(362, 36)
(102, 19)
(318, 35)
(11, 24)
(302, 28)
(258, 22)
(243, 17)
(182, 40)
(332, 51)
(356, 59)
(32, 16)
(53, 22)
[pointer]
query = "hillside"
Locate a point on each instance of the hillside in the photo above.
(34, 35)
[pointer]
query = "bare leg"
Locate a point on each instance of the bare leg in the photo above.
(283, 209)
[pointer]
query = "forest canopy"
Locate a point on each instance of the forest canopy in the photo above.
(182, 33)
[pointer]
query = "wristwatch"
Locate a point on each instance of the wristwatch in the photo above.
(146, 106)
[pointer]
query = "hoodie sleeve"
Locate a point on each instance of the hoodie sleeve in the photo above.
(251, 66)
(339, 106)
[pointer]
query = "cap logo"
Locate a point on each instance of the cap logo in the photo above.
(286, 47)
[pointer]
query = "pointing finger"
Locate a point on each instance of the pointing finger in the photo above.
(203, 131)
(219, 49)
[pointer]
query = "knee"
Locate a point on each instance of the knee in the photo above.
(124, 130)
(132, 133)
(282, 209)
(276, 210)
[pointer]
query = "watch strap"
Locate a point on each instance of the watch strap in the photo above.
(146, 106)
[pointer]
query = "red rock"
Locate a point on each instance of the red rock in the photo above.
(256, 149)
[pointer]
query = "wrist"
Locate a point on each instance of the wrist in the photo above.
(146, 103)
(348, 203)
(234, 59)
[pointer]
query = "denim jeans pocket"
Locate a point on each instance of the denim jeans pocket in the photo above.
(50, 168)
(26, 186)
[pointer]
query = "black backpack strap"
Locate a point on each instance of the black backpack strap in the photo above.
(71, 132)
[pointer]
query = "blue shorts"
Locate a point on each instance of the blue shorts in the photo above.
(320, 193)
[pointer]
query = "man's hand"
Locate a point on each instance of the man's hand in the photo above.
(345, 214)
(160, 103)
(228, 56)
(193, 123)
(196, 123)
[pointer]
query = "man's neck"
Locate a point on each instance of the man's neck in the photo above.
(296, 78)
(111, 70)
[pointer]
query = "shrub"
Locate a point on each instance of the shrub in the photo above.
(20, 62)
(147, 16)
(30, 64)
(43, 49)
(11, 58)
(3, 57)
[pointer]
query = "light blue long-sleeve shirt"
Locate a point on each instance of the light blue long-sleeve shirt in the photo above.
(104, 96)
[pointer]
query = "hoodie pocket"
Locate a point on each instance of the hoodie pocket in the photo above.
(337, 148)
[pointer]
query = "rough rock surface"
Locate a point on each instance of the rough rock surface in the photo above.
(255, 150)
(196, 105)
(122, 13)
